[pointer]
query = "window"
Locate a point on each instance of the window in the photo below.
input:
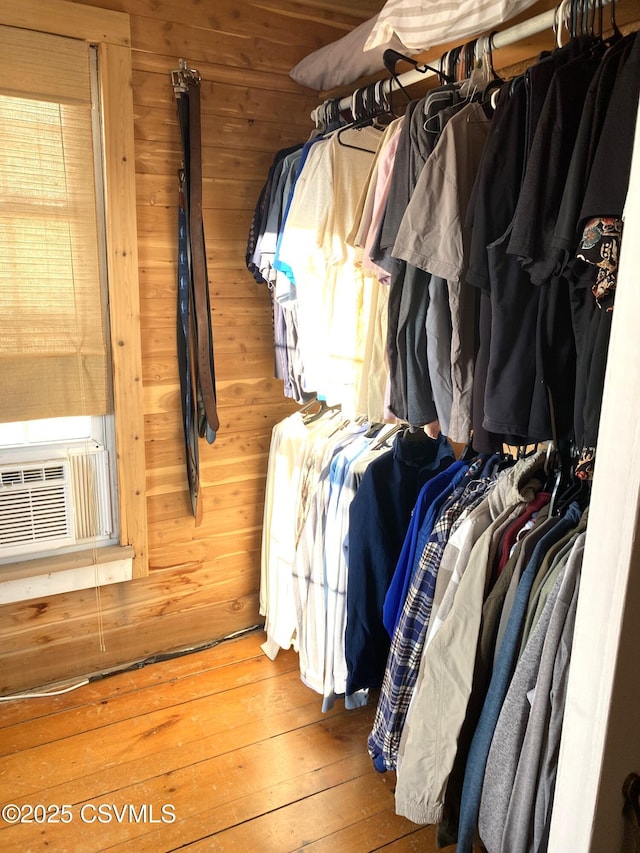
(70, 340)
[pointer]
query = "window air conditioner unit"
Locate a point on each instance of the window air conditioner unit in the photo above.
(46, 504)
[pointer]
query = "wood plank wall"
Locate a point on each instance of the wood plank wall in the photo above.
(203, 582)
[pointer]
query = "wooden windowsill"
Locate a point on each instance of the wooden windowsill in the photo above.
(65, 573)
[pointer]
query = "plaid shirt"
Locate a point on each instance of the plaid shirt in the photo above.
(408, 640)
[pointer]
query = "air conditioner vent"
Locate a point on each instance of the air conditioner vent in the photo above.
(32, 474)
(35, 506)
(46, 505)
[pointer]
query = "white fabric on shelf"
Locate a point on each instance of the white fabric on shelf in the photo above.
(424, 24)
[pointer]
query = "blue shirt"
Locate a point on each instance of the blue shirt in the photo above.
(408, 640)
(425, 512)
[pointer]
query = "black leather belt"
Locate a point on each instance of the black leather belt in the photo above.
(194, 332)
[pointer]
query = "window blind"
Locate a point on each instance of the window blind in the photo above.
(53, 329)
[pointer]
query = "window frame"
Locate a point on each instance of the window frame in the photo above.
(110, 33)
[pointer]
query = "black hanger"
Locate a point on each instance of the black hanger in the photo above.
(571, 489)
(355, 125)
(310, 418)
(391, 57)
(617, 35)
(469, 57)
(453, 58)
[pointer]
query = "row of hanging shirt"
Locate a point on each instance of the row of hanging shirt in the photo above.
(449, 584)
(459, 268)
(480, 610)
(523, 261)
(317, 463)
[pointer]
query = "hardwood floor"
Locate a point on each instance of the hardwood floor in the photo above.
(219, 750)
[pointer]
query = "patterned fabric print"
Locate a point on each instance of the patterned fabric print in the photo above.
(600, 246)
(408, 639)
(586, 463)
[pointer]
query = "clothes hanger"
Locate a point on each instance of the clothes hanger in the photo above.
(367, 105)
(617, 35)
(561, 20)
(382, 441)
(390, 59)
(461, 57)
(308, 406)
(356, 125)
(324, 409)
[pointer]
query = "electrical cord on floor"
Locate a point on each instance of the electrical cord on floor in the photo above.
(159, 658)
(62, 690)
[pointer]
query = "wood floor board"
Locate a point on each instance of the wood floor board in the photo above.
(232, 745)
(295, 825)
(104, 712)
(371, 833)
(139, 676)
(220, 817)
(152, 732)
(216, 795)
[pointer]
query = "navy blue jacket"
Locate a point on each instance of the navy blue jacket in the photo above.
(379, 517)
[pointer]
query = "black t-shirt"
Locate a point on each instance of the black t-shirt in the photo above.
(505, 367)
(566, 236)
(608, 182)
(543, 185)
(497, 183)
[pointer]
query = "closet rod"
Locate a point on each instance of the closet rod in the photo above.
(511, 35)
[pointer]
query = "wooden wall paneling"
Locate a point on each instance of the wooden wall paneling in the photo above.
(228, 311)
(252, 365)
(92, 637)
(196, 556)
(160, 223)
(191, 595)
(157, 158)
(161, 283)
(223, 98)
(158, 125)
(87, 25)
(288, 25)
(236, 419)
(153, 37)
(219, 497)
(168, 478)
(260, 79)
(161, 190)
(95, 651)
(234, 393)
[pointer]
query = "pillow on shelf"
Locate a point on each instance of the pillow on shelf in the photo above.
(344, 60)
(432, 22)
